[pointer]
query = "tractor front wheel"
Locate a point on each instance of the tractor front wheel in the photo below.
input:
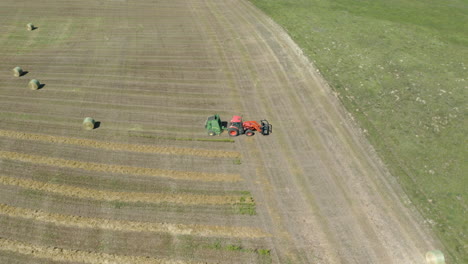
(233, 132)
(249, 133)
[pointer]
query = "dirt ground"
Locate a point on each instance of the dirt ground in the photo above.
(151, 72)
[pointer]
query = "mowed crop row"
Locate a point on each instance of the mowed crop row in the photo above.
(134, 67)
(71, 255)
(120, 169)
(118, 146)
(130, 226)
(129, 197)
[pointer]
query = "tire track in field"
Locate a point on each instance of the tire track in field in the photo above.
(119, 146)
(73, 255)
(100, 167)
(131, 226)
(129, 197)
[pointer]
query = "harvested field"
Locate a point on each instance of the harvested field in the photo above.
(149, 185)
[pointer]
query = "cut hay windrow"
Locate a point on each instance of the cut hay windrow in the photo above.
(127, 197)
(73, 255)
(119, 146)
(131, 226)
(110, 168)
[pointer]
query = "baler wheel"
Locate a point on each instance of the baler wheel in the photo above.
(233, 132)
(211, 133)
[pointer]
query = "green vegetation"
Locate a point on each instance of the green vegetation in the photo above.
(117, 204)
(263, 252)
(237, 247)
(400, 68)
(189, 245)
(245, 208)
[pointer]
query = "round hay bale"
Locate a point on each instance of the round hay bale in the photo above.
(17, 71)
(34, 84)
(435, 257)
(30, 26)
(89, 123)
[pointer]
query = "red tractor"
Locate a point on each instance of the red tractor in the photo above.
(237, 127)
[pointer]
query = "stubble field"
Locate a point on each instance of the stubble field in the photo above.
(148, 185)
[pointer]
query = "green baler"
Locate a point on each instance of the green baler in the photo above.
(214, 126)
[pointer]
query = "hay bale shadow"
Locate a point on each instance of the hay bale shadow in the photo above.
(41, 86)
(31, 27)
(24, 73)
(97, 124)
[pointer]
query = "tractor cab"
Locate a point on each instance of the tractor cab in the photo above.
(235, 127)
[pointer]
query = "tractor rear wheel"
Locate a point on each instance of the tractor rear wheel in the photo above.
(249, 133)
(233, 132)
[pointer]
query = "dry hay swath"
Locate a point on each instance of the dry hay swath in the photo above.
(18, 72)
(30, 27)
(34, 84)
(131, 226)
(129, 197)
(121, 147)
(89, 123)
(110, 168)
(73, 255)
(435, 257)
